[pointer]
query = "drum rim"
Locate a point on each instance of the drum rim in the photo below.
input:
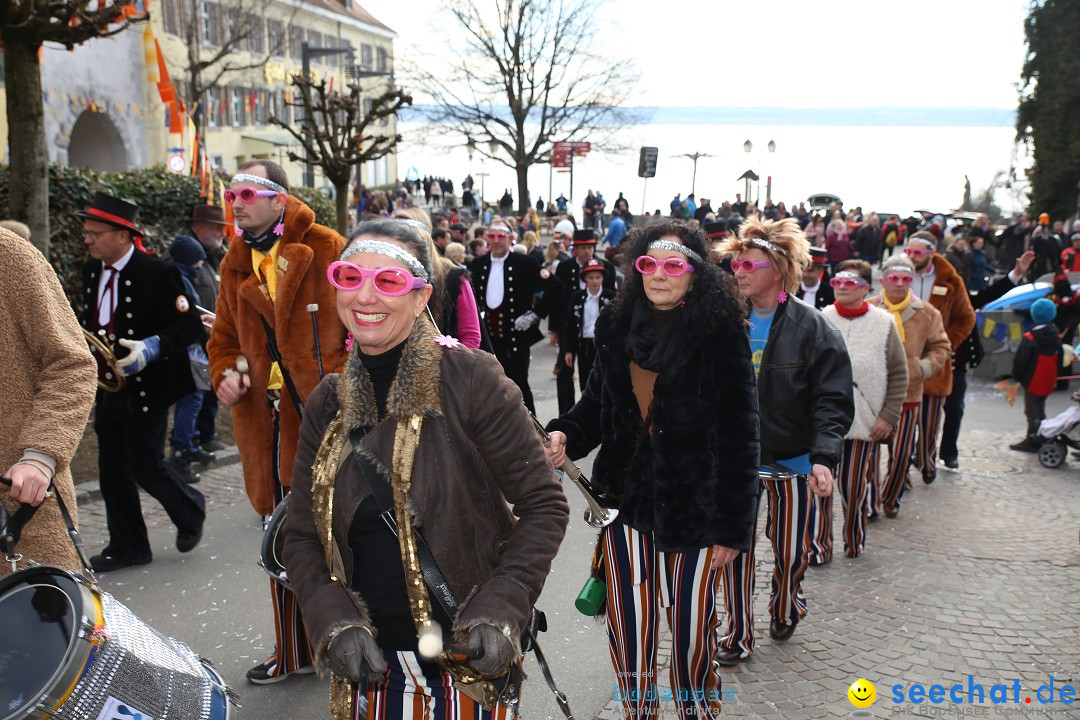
(268, 559)
(75, 662)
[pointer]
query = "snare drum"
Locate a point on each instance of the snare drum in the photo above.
(271, 554)
(70, 650)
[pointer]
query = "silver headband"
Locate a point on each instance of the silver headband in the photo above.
(851, 275)
(926, 241)
(413, 223)
(676, 247)
(767, 245)
(247, 177)
(378, 247)
(903, 267)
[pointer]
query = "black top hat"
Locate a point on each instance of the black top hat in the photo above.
(112, 211)
(716, 229)
(584, 236)
(208, 214)
(818, 255)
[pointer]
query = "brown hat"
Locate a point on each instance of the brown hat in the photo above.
(208, 214)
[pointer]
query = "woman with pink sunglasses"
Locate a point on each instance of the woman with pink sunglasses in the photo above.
(879, 370)
(432, 434)
(671, 403)
(927, 349)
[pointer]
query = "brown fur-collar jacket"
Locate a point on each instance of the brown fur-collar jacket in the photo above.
(307, 249)
(479, 456)
(950, 297)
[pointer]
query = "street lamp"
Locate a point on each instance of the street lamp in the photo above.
(695, 156)
(747, 148)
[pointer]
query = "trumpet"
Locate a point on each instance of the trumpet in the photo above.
(596, 515)
(113, 380)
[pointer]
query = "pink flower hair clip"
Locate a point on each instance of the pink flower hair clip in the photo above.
(447, 341)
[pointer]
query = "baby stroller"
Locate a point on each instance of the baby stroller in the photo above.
(1058, 436)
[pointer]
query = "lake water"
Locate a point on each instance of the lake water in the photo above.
(885, 168)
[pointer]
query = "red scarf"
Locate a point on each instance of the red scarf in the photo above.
(851, 314)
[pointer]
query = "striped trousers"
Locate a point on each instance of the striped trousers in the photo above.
(291, 647)
(858, 471)
(640, 581)
(931, 414)
(418, 689)
(788, 527)
(900, 449)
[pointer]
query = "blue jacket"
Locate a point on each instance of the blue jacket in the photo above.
(616, 230)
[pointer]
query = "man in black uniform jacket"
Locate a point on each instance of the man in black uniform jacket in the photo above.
(583, 307)
(136, 303)
(814, 288)
(569, 274)
(506, 284)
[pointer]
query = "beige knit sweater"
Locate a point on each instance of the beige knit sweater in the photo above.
(49, 380)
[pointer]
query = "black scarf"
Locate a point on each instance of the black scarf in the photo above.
(265, 241)
(655, 336)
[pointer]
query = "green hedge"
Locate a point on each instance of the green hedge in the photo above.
(165, 201)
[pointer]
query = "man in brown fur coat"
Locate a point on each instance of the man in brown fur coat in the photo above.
(271, 274)
(50, 381)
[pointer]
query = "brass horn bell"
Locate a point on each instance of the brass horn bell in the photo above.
(110, 379)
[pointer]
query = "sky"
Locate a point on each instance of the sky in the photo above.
(791, 53)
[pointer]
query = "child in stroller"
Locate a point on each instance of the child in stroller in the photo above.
(1057, 434)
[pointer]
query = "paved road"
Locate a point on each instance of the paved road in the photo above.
(976, 577)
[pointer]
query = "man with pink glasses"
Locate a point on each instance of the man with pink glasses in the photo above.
(506, 283)
(273, 273)
(937, 282)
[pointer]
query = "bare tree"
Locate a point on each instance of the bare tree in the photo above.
(236, 27)
(524, 77)
(341, 132)
(25, 25)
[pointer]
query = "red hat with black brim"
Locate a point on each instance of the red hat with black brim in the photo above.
(593, 265)
(584, 236)
(112, 211)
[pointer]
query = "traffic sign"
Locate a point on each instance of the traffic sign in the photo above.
(562, 151)
(647, 162)
(177, 163)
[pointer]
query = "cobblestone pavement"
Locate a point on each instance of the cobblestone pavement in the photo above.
(978, 576)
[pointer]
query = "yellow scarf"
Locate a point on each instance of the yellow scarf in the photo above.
(896, 310)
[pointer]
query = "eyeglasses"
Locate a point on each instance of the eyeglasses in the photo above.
(898, 278)
(846, 283)
(749, 265)
(390, 281)
(916, 252)
(495, 235)
(673, 266)
(247, 194)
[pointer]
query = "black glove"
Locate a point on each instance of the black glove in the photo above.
(353, 654)
(497, 652)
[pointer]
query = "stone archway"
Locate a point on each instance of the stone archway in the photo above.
(97, 144)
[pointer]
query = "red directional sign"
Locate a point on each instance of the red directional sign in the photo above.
(562, 151)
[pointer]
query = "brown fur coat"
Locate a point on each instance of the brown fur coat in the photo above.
(951, 299)
(307, 249)
(49, 385)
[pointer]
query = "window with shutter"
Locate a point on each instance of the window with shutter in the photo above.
(206, 24)
(365, 57)
(382, 60)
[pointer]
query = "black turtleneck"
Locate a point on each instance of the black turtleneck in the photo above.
(377, 572)
(383, 368)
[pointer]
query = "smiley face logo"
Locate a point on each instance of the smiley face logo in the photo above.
(862, 693)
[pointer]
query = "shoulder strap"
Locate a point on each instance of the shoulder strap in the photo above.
(383, 497)
(272, 348)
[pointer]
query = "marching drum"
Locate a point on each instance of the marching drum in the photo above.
(271, 557)
(70, 650)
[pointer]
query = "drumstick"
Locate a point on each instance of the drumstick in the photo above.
(312, 309)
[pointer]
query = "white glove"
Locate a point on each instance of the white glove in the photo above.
(140, 353)
(526, 321)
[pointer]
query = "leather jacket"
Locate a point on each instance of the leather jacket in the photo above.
(805, 394)
(479, 455)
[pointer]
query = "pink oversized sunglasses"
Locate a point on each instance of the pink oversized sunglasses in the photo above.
(389, 281)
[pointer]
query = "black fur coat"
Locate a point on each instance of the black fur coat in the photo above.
(691, 478)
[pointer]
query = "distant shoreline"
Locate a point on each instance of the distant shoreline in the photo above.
(834, 117)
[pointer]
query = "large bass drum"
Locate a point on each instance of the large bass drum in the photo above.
(271, 554)
(70, 650)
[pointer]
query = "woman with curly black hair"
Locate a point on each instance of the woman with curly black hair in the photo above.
(671, 403)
